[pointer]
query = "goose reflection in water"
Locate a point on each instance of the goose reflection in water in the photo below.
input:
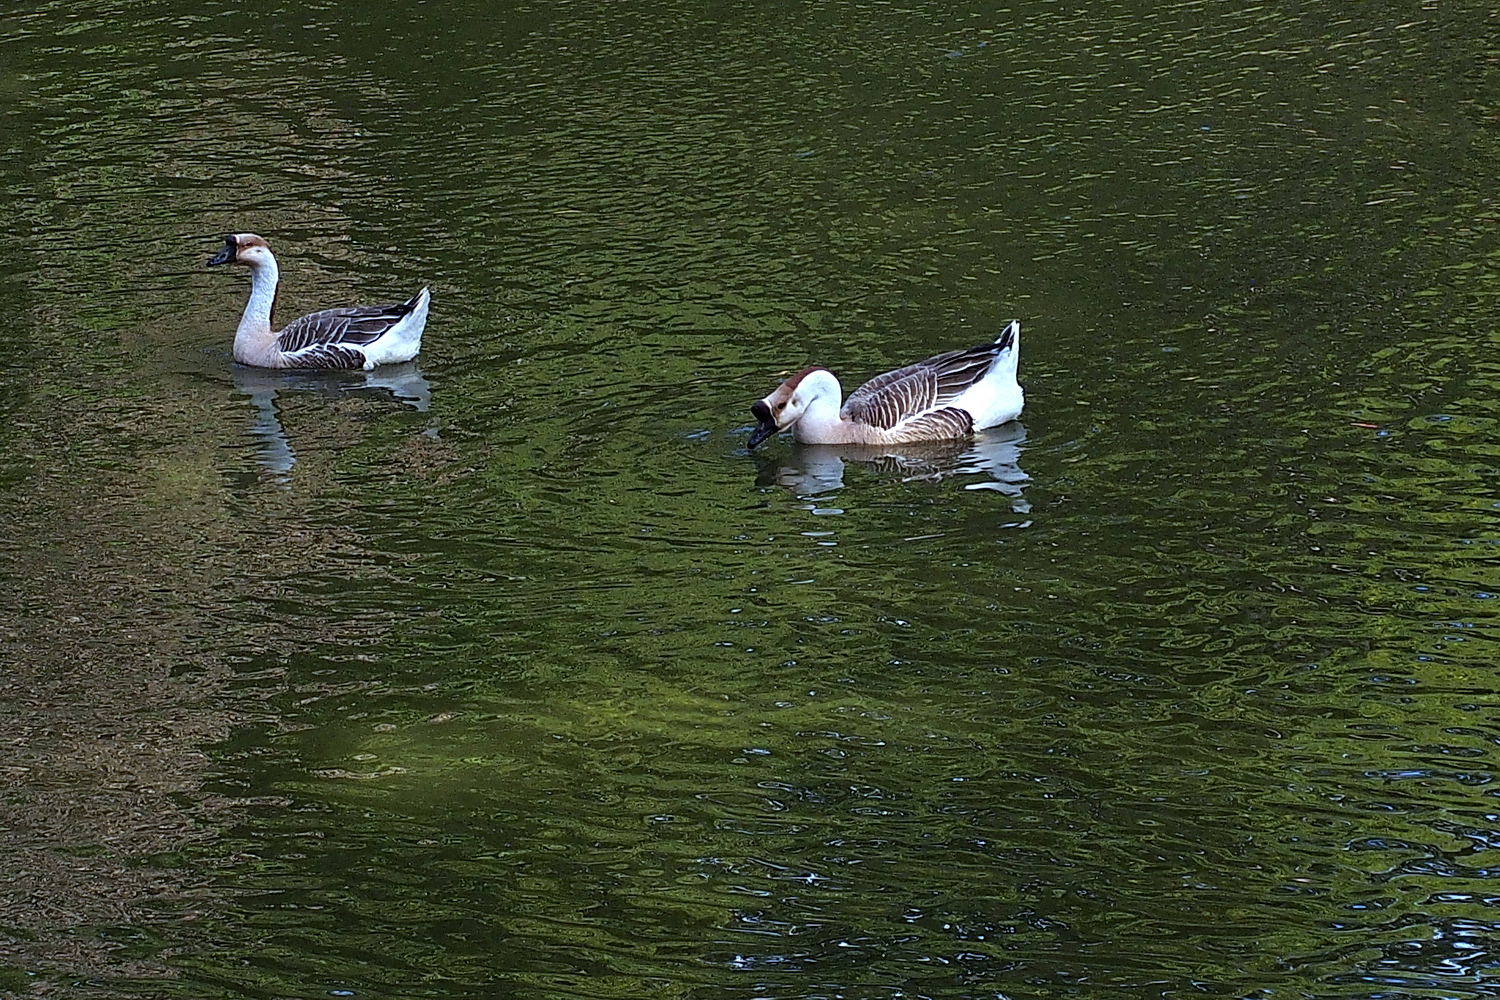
(812, 469)
(274, 449)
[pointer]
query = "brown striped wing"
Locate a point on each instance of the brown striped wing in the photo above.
(355, 326)
(326, 356)
(946, 422)
(886, 400)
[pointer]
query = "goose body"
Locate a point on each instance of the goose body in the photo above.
(949, 395)
(351, 337)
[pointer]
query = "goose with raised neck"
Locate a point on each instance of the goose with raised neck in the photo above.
(348, 337)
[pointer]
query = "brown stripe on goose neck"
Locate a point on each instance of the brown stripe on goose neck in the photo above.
(796, 379)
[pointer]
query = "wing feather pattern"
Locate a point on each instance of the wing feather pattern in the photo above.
(887, 400)
(947, 422)
(331, 338)
(327, 356)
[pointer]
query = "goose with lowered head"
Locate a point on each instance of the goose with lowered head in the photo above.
(350, 337)
(949, 395)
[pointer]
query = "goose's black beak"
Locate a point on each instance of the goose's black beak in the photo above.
(767, 423)
(225, 256)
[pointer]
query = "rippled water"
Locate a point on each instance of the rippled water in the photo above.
(512, 673)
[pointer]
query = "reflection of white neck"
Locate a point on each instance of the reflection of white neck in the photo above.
(253, 340)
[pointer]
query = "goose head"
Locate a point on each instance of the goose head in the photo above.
(244, 248)
(783, 408)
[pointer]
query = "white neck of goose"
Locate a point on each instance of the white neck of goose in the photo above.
(821, 396)
(254, 334)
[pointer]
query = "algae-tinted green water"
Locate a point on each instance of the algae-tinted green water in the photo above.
(512, 673)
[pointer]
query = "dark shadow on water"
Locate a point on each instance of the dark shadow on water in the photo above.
(812, 470)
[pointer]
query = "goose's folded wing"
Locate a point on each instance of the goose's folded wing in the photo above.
(886, 400)
(944, 422)
(325, 356)
(353, 325)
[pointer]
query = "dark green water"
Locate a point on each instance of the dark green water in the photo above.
(527, 680)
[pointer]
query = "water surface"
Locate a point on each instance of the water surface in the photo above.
(514, 674)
